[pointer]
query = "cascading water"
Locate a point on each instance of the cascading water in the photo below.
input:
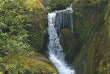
(55, 50)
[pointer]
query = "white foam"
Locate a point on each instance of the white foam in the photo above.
(55, 50)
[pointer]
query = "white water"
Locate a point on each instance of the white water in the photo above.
(55, 50)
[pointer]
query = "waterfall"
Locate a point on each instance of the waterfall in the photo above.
(64, 19)
(55, 49)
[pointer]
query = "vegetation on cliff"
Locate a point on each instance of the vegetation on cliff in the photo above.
(69, 44)
(91, 34)
(91, 29)
(22, 31)
(60, 4)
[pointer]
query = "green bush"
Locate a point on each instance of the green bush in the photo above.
(20, 25)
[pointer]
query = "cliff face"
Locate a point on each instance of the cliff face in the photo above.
(91, 27)
(89, 45)
(69, 44)
(87, 48)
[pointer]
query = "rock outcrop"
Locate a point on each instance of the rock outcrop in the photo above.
(91, 27)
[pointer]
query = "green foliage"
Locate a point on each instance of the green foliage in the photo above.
(107, 15)
(104, 64)
(22, 31)
(14, 67)
(17, 17)
(92, 34)
(46, 2)
(1, 59)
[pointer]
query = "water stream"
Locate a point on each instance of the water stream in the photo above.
(56, 21)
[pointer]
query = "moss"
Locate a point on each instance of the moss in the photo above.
(85, 17)
(1, 72)
(60, 4)
(37, 30)
(30, 34)
(46, 2)
(38, 3)
(104, 63)
(92, 34)
(33, 63)
(69, 43)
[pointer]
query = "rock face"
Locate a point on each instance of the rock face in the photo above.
(64, 27)
(91, 33)
(64, 20)
(91, 28)
(69, 44)
(60, 4)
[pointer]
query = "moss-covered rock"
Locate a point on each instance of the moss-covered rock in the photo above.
(60, 4)
(45, 2)
(37, 30)
(69, 44)
(87, 13)
(38, 3)
(93, 36)
(1, 72)
(33, 63)
(25, 30)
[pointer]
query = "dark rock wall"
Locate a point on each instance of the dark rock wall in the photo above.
(91, 30)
